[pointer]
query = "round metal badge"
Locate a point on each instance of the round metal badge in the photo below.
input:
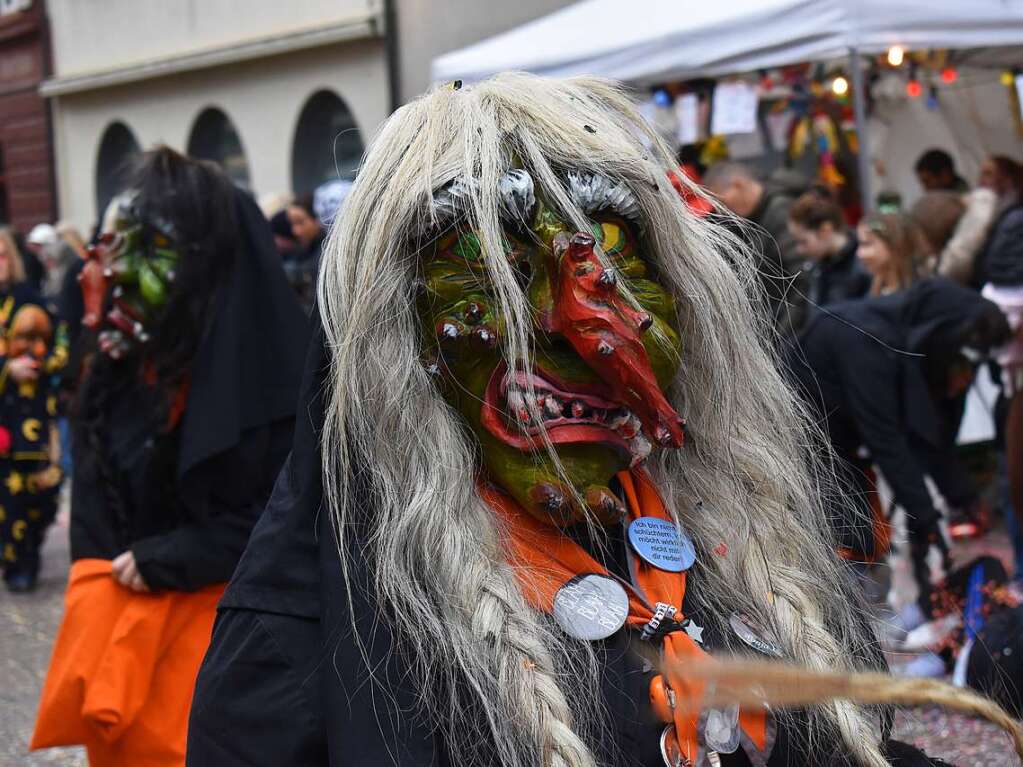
(749, 632)
(591, 607)
(660, 543)
(721, 731)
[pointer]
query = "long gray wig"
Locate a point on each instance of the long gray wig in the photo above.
(436, 551)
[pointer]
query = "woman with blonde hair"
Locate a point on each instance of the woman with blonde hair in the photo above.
(892, 250)
(12, 267)
(542, 447)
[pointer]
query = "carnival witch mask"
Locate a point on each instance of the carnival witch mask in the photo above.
(605, 345)
(139, 259)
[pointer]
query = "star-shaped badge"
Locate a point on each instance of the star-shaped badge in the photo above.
(695, 632)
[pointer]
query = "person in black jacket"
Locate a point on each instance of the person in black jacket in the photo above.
(863, 366)
(821, 236)
(185, 413)
(432, 585)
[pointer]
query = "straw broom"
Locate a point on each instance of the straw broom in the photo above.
(756, 683)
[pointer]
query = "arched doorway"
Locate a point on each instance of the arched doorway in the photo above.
(214, 137)
(116, 149)
(327, 143)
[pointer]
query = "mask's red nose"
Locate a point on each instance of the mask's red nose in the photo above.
(605, 331)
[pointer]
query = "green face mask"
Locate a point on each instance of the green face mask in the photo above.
(139, 260)
(599, 367)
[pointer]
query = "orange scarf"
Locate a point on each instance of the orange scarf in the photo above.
(123, 668)
(545, 559)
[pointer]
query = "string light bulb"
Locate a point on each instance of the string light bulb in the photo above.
(949, 75)
(1007, 78)
(914, 89)
(896, 55)
(840, 86)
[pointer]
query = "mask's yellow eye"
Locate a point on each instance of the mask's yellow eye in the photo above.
(612, 238)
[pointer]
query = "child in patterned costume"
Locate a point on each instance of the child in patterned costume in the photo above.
(30, 474)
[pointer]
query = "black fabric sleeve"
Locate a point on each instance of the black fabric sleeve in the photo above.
(256, 698)
(224, 497)
(870, 381)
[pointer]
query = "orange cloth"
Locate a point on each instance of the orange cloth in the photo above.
(123, 669)
(545, 559)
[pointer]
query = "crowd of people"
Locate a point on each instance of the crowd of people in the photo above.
(442, 485)
(884, 324)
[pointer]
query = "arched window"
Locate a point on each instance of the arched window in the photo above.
(116, 149)
(214, 138)
(327, 143)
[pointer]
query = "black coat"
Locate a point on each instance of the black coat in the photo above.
(862, 367)
(284, 681)
(1000, 260)
(185, 500)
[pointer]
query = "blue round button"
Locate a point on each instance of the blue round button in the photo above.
(659, 543)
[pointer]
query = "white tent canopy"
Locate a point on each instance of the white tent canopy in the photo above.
(649, 41)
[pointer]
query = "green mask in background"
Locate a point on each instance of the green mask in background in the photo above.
(139, 262)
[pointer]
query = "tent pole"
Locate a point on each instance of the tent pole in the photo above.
(863, 138)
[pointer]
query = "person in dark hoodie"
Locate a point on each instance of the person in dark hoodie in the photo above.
(818, 229)
(863, 368)
(184, 416)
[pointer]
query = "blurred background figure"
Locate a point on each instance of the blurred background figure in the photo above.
(820, 235)
(891, 250)
(304, 263)
(765, 208)
(936, 216)
(936, 171)
(954, 226)
(999, 273)
(1002, 175)
(14, 285)
(30, 459)
(183, 418)
(866, 368)
(41, 237)
(284, 238)
(70, 235)
(328, 200)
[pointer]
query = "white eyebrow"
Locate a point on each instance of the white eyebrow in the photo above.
(593, 193)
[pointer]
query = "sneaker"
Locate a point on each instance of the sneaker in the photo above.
(20, 583)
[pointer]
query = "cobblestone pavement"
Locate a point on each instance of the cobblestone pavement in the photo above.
(959, 740)
(28, 625)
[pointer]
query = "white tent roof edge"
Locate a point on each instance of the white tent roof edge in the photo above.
(647, 41)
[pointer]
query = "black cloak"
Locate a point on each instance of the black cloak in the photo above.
(284, 681)
(865, 367)
(229, 445)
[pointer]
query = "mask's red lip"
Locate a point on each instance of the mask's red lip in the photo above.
(562, 429)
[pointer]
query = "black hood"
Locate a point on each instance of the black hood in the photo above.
(248, 367)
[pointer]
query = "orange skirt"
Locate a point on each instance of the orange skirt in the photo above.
(123, 669)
